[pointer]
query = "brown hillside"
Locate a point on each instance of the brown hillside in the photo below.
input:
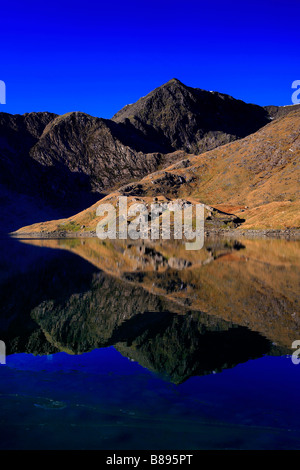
(256, 178)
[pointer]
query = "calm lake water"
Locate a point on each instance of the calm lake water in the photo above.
(149, 346)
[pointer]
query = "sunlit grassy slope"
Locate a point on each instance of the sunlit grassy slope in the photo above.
(256, 178)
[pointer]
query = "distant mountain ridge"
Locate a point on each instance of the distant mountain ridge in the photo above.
(255, 178)
(68, 162)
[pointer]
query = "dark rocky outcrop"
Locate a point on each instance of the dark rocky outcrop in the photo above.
(66, 163)
(175, 116)
(60, 157)
(276, 112)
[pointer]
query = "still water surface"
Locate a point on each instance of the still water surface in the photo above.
(129, 346)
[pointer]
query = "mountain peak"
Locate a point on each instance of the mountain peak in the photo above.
(174, 80)
(178, 117)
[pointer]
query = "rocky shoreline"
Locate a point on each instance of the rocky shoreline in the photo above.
(291, 234)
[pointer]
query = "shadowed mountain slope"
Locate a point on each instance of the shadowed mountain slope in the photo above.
(276, 112)
(256, 178)
(54, 166)
(63, 163)
(176, 116)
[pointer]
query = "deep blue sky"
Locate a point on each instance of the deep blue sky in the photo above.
(97, 56)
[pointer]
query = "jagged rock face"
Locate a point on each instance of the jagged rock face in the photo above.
(67, 161)
(17, 135)
(20, 132)
(73, 152)
(175, 116)
(276, 112)
(92, 148)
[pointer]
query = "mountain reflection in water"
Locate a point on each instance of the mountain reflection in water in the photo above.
(82, 308)
(176, 312)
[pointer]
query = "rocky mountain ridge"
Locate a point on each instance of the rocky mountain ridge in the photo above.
(53, 166)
